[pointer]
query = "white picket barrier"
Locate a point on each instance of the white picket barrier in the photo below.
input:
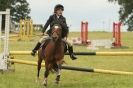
(4, 55)
(95, 44)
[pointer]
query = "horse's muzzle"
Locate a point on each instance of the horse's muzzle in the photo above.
(55, 38)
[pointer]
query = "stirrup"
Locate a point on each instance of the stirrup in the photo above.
(73, 57)
(33, 53)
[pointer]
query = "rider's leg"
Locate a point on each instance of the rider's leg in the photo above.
(35, 49)
(42, 40)
(70, 49)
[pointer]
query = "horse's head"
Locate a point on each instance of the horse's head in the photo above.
(56, 32)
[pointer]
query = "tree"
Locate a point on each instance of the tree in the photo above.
(19, 9)
(126, 12)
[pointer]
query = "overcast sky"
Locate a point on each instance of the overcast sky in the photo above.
(99, 13)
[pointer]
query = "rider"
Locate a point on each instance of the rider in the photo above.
(56, 18)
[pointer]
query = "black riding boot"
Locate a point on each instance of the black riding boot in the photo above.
(73, 57)
(35, 49)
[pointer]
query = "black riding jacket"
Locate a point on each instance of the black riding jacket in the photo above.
(53, 19)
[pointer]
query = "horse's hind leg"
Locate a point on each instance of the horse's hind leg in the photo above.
(39, 67)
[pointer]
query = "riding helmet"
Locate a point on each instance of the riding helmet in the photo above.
(58, 6)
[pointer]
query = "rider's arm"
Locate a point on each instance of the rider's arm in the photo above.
(64, 24)
(66, 28)
(47, 24)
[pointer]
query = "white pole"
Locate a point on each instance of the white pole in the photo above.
(4, 56)
(0, 29)
(7, 26)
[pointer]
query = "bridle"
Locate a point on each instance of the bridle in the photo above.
(56, 32)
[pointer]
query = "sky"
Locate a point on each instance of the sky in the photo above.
(100, 14)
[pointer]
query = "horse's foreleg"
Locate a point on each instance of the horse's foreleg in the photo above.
(39, 67)
(58, 75)
(46, 76)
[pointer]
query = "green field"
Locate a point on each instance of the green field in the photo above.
(25, 76)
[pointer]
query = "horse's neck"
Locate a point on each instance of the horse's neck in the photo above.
(58, 42)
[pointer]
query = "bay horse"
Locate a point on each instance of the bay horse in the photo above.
(53, 55)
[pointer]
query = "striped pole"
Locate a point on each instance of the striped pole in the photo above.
(126, 53)
(97, 70)
(0, 29)
(75, 68)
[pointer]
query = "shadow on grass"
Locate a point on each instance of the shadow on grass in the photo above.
(122, 47)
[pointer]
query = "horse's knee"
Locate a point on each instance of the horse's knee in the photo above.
(39, 67)
(39, 64)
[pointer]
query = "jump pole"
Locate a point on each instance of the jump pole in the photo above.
(126, 53)
(75, 68)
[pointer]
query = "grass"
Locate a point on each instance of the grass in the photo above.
(25, 76)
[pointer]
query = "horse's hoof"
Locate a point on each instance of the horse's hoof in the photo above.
(56, 82)
(44, 83)
(37, 80)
